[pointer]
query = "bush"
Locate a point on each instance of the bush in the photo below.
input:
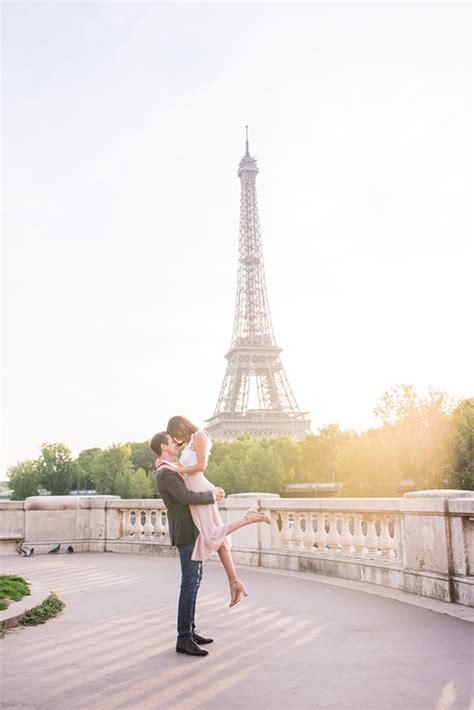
(12, 588)
(41, 613)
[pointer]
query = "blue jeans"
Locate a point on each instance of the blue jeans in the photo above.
(191, 576)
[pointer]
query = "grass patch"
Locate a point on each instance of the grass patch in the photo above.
(12, 589)
(41, 613)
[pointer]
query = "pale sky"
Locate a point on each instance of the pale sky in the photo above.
(123, 126)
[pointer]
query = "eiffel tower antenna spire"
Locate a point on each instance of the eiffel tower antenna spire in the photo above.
(254, 357)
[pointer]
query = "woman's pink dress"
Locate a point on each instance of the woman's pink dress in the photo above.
(212, 531)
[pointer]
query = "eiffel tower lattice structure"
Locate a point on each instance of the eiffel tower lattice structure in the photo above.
(254, 367)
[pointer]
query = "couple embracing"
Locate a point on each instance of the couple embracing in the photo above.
(195, 525)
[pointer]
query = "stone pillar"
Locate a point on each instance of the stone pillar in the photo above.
(248, 541)
(426, 542)
(113, 520)
(461, 526)
(100, 524)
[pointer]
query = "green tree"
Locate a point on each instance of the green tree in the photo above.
(238, 449)
(412, 444)
(23, 480)
(133, 484)
(84, 479)
(265, 471)
(250, 465)
(123, 484)
(418, 427)
(141, 485)
(56, 469)
(366, 466)
(319, 452)
(142, 456)
(111, 464)
(462, 446)
(399, 402)
(289, 453)
(404, 403)
(229, 473)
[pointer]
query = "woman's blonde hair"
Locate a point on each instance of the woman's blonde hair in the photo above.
(181, 428)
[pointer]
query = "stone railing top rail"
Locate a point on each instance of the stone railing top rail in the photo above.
(329, 504)
(461, 506)
(447, 501)
(12, 505)
(231, 502)
(443, 493)
(67, 502)
(135, 503)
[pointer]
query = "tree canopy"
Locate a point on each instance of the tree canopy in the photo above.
(423, 441)
(24, 480)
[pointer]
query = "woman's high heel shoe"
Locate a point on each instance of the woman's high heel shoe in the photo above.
(239, 589)
(253, 515)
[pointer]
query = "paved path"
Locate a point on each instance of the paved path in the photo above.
(293, 643)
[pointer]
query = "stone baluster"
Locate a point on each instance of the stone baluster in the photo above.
(333, 535)
(148, 527)
(274, 531)
(297, 535)
(321, 535)
(308, 537)
(385, 541)
(346, 536)
(159, 527)
(136, 525)
(285, 535)
(396, 538)
(126, 524)
(358, 539)
(371, 540)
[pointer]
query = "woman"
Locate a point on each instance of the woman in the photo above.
(212, 531)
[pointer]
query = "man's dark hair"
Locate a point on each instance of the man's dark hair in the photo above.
(157, 442)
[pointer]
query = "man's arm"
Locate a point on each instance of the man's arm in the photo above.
(176, 487)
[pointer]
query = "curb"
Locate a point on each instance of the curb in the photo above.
(457, 611)
(12, 615)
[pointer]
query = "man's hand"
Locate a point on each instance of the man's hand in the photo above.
(220, 494)
(168, 464)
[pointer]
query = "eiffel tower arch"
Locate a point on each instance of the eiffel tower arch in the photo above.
(253, 362)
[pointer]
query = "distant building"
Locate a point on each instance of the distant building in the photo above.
(312, 490)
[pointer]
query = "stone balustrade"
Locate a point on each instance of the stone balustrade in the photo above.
(422, 543)
(355, 534)
(147, 523)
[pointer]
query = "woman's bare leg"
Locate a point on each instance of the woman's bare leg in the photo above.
(227, 562)
(236, 524)
(235, 587)
(247, 520)
(224, 552)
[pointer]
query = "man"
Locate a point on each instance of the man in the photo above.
(183, 532)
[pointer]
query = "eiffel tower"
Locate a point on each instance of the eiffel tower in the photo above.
(253, 361)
